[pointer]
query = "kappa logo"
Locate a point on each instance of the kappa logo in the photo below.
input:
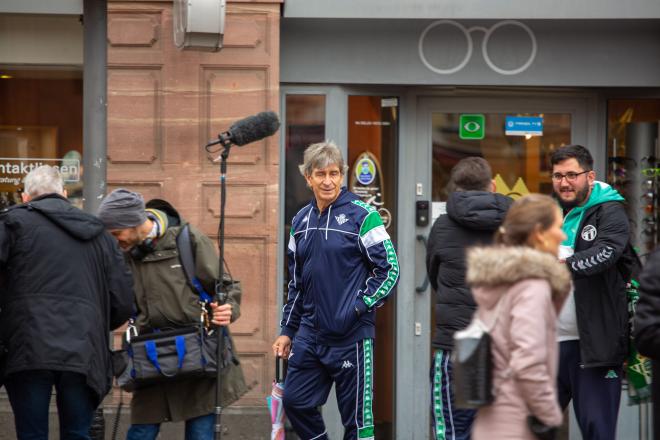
(341, 219)
(347, 364)
(589, 233)
(611, 374)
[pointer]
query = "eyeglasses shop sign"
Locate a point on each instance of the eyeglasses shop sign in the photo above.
(13, 170)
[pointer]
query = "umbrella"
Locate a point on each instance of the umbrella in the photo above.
(275, 404)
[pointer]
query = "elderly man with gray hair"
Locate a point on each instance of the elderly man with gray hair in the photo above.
(65, 286)
(342, 266)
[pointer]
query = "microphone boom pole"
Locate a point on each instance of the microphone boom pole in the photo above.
(243, 132)
(220, 292)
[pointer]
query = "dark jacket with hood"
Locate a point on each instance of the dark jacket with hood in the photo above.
(65, 286)
(472, 219)
(600, 288)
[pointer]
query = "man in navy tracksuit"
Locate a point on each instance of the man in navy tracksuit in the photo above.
(342, 266)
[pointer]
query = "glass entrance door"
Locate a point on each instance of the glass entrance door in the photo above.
(516, 134)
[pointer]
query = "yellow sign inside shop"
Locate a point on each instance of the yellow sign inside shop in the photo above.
(518, 190)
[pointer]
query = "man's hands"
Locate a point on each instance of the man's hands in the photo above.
(282, 347)
(221, 314)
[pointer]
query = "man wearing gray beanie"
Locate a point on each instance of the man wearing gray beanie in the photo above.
(165, 299)
(123, 214)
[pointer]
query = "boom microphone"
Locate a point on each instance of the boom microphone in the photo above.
(248, 130)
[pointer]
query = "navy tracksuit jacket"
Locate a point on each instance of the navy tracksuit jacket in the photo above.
(342, 266)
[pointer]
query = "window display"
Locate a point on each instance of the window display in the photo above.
(633, 165)
(40, 124)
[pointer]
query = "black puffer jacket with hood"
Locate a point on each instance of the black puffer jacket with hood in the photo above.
(64, 286)
(472, 219)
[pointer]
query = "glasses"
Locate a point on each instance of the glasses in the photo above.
(649, 221)
(622, 160)
(620, 172)
(648, 197)
(651, 172)
(649, 229)
(649, 160)
(570, 176)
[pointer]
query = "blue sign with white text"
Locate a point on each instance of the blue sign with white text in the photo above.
(523, 126)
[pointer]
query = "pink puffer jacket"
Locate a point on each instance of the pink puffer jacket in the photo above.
(520, 290)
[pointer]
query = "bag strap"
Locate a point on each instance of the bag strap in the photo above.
(498, 310)
(187, 258)
(152, 355)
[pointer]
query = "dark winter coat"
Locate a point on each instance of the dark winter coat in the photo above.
(647, 323)
(165, 299)
(601, 305)
(65, 286)
(472, 218)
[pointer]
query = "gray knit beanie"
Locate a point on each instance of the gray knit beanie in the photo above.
(122, 209)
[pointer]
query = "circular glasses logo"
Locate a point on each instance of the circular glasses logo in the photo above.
(466, 33)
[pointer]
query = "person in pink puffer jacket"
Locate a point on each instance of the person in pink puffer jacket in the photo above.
(519, 287)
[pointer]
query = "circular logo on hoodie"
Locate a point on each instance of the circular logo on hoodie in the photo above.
(589, 233)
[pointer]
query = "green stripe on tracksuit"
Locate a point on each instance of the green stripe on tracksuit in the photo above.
(449, 422)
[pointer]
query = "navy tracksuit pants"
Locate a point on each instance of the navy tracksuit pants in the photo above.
(311, 371)
(449, 422)
(595, 392)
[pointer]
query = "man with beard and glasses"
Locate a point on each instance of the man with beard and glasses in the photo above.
(593, 325)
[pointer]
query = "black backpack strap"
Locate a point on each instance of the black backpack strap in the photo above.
(629, 263)
(187, 258)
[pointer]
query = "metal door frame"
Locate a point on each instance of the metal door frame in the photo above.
(336, 118)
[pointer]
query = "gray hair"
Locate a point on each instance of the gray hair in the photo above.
(322, 155)
(43, 180)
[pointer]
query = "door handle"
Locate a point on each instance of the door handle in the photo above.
(425, 284)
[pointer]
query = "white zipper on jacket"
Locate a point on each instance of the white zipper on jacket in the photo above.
(327, 224)
(309, 217)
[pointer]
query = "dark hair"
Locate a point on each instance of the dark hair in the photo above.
(524, 217)
(577, 152)
(471, 174)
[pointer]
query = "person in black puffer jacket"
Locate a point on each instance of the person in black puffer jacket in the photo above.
(474, 212)
(64, 287)
(647, 326)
